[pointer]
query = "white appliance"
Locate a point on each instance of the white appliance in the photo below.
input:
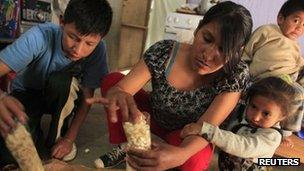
(180, 26)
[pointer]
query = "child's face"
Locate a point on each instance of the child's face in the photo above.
(263, 112)
(292, 26)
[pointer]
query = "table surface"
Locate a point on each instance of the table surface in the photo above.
(295, 152)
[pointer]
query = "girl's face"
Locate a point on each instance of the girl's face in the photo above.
(263, 112)
(292, 26)
(77, 46)
(206, 50)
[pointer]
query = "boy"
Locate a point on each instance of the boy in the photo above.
(273, 50)
(56, 67)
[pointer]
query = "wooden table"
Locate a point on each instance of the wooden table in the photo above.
(58, 165)
(296, 152)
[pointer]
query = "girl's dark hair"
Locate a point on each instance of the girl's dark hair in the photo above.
(276, 89)
(235, 23)
(89, 16)
(290, 7)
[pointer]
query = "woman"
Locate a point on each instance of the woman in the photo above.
(190, 83)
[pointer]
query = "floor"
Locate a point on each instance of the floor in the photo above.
(92, 141)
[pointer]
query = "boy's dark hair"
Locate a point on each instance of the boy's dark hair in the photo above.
(291, 6)
(276, 89)
(89, 16)
(235, 25)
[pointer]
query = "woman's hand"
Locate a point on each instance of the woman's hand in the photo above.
(191, 129)
(61, 148)
(10, 108)
(161, 157)
(116, 99)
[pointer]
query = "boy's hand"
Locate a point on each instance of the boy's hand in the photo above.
(191, 129)
(61, 148)
(10, 109)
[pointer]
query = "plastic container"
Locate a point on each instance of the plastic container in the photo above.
(301, 133)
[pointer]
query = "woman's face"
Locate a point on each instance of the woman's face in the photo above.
(263, 112)
(207, 56)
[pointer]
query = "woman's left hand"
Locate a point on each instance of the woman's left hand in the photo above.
(61, 148)
(161, 157)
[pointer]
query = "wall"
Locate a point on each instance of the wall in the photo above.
(159, 11)
(112, 39)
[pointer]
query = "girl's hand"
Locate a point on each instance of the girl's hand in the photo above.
(286, 141)
(191, 129)
(161, 157)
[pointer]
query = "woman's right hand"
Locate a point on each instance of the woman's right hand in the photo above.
(116, 99)
(10, 108)
(162, 156)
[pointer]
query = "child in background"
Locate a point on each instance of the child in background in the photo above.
(258, 134)
(273, 50)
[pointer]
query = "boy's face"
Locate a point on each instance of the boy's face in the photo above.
(77, 46)
(292, 26)
(263, 112)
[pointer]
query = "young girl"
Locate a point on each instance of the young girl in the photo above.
(258, 134)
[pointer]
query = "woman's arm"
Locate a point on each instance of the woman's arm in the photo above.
(220, 108)
(217, 112)
(136, 78)
(121, 95)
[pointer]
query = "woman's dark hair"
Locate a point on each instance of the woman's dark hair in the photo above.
(235, 24)
(89, 16)
(276, 89)
(290, 7)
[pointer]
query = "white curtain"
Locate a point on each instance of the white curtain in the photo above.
(159, 11)
(58, 7)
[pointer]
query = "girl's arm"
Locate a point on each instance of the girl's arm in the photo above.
(262, 143)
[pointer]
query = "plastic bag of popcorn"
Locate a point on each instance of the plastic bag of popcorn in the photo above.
(21, 145)
(138, 135)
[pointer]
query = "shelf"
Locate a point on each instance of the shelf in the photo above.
(7, 40)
